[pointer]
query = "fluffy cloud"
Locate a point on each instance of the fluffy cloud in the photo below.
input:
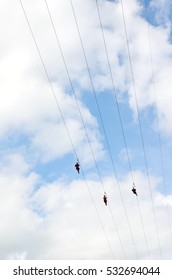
(26, 76)
(57, 220)
(53, 221)
(28, 106)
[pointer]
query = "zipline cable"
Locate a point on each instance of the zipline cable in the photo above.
(87, 136)
(121, 123)
(49, 81)
(157, 119)
(140, 126)
(104, 129)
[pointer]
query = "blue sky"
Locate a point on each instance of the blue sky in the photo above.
(48, 211)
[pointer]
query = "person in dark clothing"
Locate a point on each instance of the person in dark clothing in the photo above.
(134, 190)
(105, 199)
(77, 166)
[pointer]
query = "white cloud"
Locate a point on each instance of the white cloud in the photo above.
(124, 155)
(137, 32)
(27, 61)
(27, 102)
(57, 220)
(17, 256)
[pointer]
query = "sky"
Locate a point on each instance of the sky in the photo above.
(91, 81)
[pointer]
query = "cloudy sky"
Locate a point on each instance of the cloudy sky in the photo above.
(87, 80)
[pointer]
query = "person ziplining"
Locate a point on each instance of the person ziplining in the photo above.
(105, 199)
(134, 189)
(77, 167)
